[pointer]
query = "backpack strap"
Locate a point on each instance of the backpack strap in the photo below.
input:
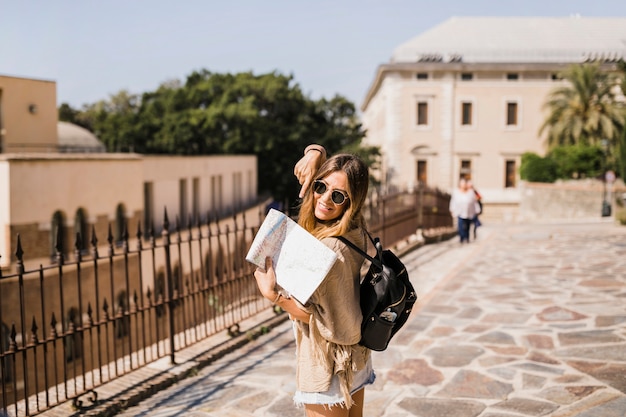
(378, 261)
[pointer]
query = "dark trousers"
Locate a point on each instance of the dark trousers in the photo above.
(464, 229)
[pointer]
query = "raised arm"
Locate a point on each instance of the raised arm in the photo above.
(307, 166)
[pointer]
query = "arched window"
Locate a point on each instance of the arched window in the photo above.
(80, 227)
(120, 222)
(57, 232)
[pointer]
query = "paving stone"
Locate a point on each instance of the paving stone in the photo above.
(540, 357)
(533, 381)
(454, 355)
(539, 341)
(507, 318)
(615, 408)
(415, 371)
(606, 321)
(496, 337)
(431, 407)
(587, 337)
(611, 352)
(613, 374)
(569, 394)
(471, 384)
(494, 361)
(527, 406)
(555, 313)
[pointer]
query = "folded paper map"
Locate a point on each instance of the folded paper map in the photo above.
(300, 260)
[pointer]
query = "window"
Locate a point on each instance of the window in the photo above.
(421, 76)
(509, 179)
(216, 195)
(467, 76)
(422, 172)
(511, 113)
(466, 113)
(148, 209)
(512, 76)
(195, 200)
(57, 234)
(237, 190)
(182, 202)
(120, 222)
(422, 113)
(80, 229)
(466, 169)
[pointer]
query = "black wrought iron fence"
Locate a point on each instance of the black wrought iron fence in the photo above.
(84, 320)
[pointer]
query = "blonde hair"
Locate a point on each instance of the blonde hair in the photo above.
(352, 217)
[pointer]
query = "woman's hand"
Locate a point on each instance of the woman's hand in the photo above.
(306, 168)
(266, 280)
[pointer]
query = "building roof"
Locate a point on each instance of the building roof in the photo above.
(74, 138)
(518, 39)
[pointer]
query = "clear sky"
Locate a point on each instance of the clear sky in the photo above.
(93, 49)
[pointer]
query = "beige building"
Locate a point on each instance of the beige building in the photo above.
(55, 174)
(465, 98)
(28, 115)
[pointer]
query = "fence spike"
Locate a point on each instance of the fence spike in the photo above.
(94, 242)
(33, 331)
(78, 246)
(94, 239)
(166, 220)
(13, 339)
(110, 240)
(89, 314)
(139, 233)
(105, 308)
(19, 252)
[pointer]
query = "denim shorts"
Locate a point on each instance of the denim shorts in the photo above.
(365, 376)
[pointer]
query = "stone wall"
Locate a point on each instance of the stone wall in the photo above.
(575, 200)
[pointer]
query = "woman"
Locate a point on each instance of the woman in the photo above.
(332, 368)
(463, 206)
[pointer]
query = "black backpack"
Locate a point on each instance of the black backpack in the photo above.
(387, 296)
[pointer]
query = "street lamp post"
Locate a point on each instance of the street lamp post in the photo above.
(606, 206)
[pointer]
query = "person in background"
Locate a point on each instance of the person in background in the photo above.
(332, 369)
(463, 207)
(479, 207)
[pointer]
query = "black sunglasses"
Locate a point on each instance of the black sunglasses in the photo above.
(338, 197)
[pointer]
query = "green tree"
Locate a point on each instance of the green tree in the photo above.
(585, 110)
(537, 169)
(266, 115)
(577, 161)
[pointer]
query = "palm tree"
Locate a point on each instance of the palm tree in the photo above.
(585, 111)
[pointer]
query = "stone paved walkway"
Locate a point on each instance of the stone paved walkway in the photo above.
(525, 321)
